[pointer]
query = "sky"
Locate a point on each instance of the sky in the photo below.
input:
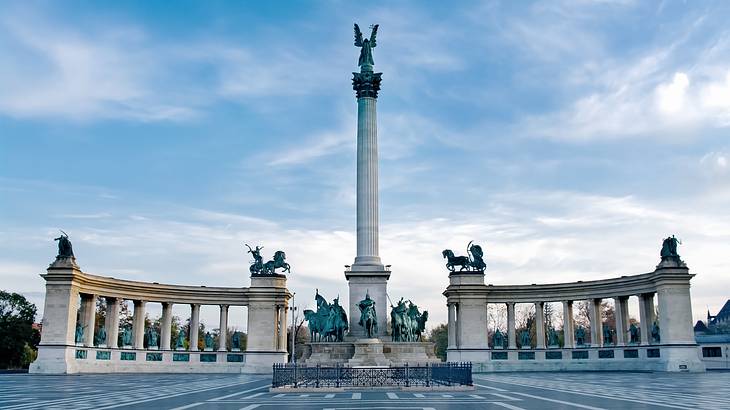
(567, 138)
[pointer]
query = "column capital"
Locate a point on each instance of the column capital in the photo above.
(510, 303)
(366, 84)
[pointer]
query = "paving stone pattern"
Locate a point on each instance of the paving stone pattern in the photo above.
(247, 392)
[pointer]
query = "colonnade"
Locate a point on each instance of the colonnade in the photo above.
(459, 330)
(71, 297)
(674, 349)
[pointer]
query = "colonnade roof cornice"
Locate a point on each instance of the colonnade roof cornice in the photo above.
(163, 293)
(559, 292)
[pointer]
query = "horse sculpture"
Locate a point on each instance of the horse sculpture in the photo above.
(473, 262)
(407, 325)
(278, 262)
(328, 323)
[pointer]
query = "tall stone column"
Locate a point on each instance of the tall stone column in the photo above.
(223, 326)
(621, 311)
(367, 274)
(646, 316)
(568, 325)
(594, 309)
(282, 328)
(89, 318)
(166, 326)
(452, 325)
(138, 324)
(540, 325)
(511, 336)
(112, 322)
(194, 323)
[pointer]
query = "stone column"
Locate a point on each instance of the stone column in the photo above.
(646, 316)
(366, 84)
(138, 324)
(621, 311)
(594, 309)
(89, 318)
(540, 325)
(282, 328)
(166, 326)
(568, 325)
(194, 322)
(223, 326)
(112, 322)
(511, 336)
(452, 325)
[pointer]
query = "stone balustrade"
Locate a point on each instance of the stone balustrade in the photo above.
(468, 297)
(66, 285)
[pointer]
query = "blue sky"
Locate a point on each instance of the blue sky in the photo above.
(566, 137)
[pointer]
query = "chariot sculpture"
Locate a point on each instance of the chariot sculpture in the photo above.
(258, 267)
(474, 262)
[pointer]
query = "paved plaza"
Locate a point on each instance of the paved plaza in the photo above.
(498, 391)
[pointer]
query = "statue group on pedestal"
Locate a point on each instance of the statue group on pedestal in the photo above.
(329, 322)
(669, 249)
(368, 316)
(474, 262)
(407, 323)
(258, 267)
(65, 250)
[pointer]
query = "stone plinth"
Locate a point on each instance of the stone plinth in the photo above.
(329, 353)
(395, 353)
(374, 283)
(368, 352)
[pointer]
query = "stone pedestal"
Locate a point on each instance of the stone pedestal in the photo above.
(375, 284)
(368, 352)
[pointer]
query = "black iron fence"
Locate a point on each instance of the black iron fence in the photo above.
(436, 374)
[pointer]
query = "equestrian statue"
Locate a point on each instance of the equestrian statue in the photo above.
(407, 323)
(258, 267)
(368, 316)
(328, 323)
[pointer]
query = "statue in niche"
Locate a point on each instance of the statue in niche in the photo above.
(236, 341)
(368, 316)
(152, 339)
(473, 262)
(655, 337)
(498, 340)
(607, 335)
(580, 336)
(180, 343)
(634, 334)
(553, 340)
(525, 341)
(126, 336)
(208, 341)
(79, 336)
(65, 250)
(100, 338)
(366, 47)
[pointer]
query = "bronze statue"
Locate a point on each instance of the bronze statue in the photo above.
(580, 336)
(329, 322)
(368, 316)
(100, 338)
(498, 340)
(79, 336)
(65, 250)
(634, 332)
(407, 324)
(180, 342)
(669, 249)
(474, 262)
(366, 45)
(152, 339)
(208, 341)
(258, 267)
(607, 335)
(655, 337)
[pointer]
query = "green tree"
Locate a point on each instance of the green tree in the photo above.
(16, 329)
(440, 336)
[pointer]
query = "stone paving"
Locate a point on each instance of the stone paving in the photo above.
(492, 391)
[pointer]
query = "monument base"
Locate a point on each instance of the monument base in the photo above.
(368, 352)
(343, 353)
(373, 283)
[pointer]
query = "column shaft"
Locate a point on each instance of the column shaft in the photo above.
(596, 322)
(568, 325)
(511, 336)
(282, 328)
(539, 325)
(89, 319)
(194, 322)
(112, 322)
(166, 326)
(644, 319)
(621, 311)
(138, 324)
(367, 183)
(223, 329)
(452, 325)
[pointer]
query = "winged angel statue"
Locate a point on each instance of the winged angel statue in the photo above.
(366, 46)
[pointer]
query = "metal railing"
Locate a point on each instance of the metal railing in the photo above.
(436, 374)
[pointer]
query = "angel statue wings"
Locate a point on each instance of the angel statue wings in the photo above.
(366, 46)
